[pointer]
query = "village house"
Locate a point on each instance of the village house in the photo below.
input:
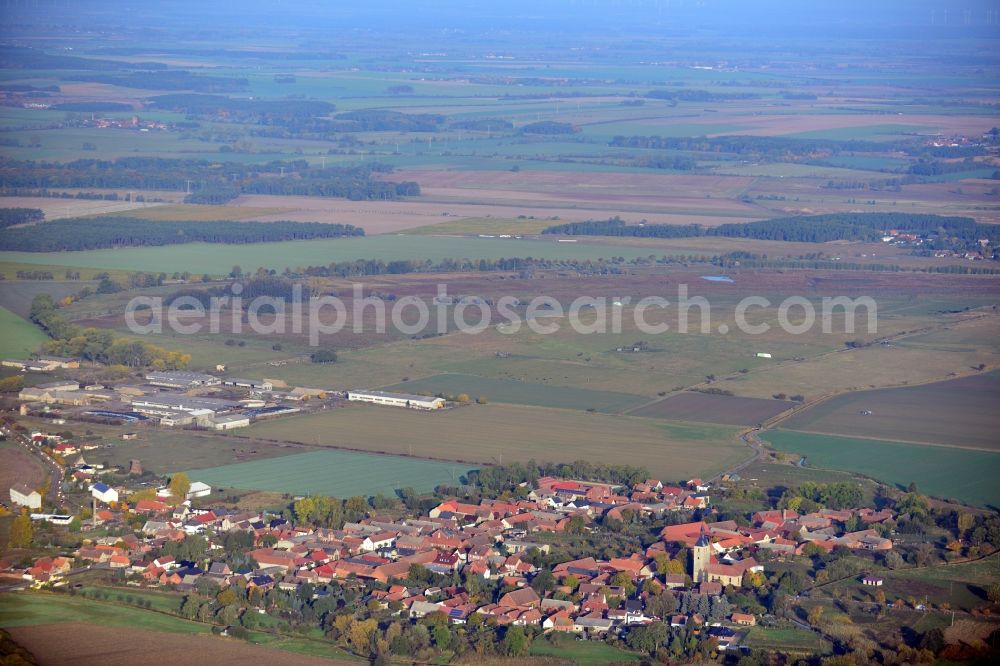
(22, 495)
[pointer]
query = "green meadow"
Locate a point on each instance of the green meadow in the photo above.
(951, 473)
(20, 337)
(218, 259)
(332, 472)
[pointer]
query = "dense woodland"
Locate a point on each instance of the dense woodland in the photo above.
(11, 216)
(808, 228)
(102, 232)
(210, 182)
(378, 120)
(98, 345)
(783, 148)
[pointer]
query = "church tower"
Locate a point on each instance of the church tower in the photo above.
(701, 556)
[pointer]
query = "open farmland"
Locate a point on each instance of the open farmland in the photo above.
(55, 209)
(60, 629)
(16, 296)
(962, 474)
(790, 639)
(334, 473)
(960, 412)
(711, 408)
(491, 433)
(201, 213)
(876, 366)
(482, 225)
(162, 450)
(218, 259)
(522, 393)
(963, 585)
(20, 337)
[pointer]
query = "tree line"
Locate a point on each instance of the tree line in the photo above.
(524, 265)
(805, 228)
(97, 344)
(103, 232)
(252, 109)
(274, 286)
(776, 147)
(380, 120)
(214, 182)
(11, 216)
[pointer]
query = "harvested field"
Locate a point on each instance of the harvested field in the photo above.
(960, 412)
(333, 472)
(55, 209)
(19, 466)
(950, 473)
(577, 183)
(482, 225)
(851, 370)
(201, 213)
(522, 393)
(434, 206)
(709, 408)
(491, 433)
(85, 643)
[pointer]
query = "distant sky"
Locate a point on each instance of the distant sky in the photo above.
(868, 18)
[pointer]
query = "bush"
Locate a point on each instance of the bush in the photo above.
(324, 356)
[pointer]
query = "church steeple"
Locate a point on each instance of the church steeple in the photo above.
(701, 557)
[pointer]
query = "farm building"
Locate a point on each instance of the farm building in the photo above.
(64, 362)
(230, 421)
(252, 384)
(172, 418)
(396, 399)
(181, 379)
(270, 412)
(763, 355)
(22, 495)
(873, 581)
(63, 393)
(166, 403)
(46, 364)
(198, 489)
(54, 518)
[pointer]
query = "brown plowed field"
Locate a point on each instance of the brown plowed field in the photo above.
(81, 643)
(959, 412)
(19, 466)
